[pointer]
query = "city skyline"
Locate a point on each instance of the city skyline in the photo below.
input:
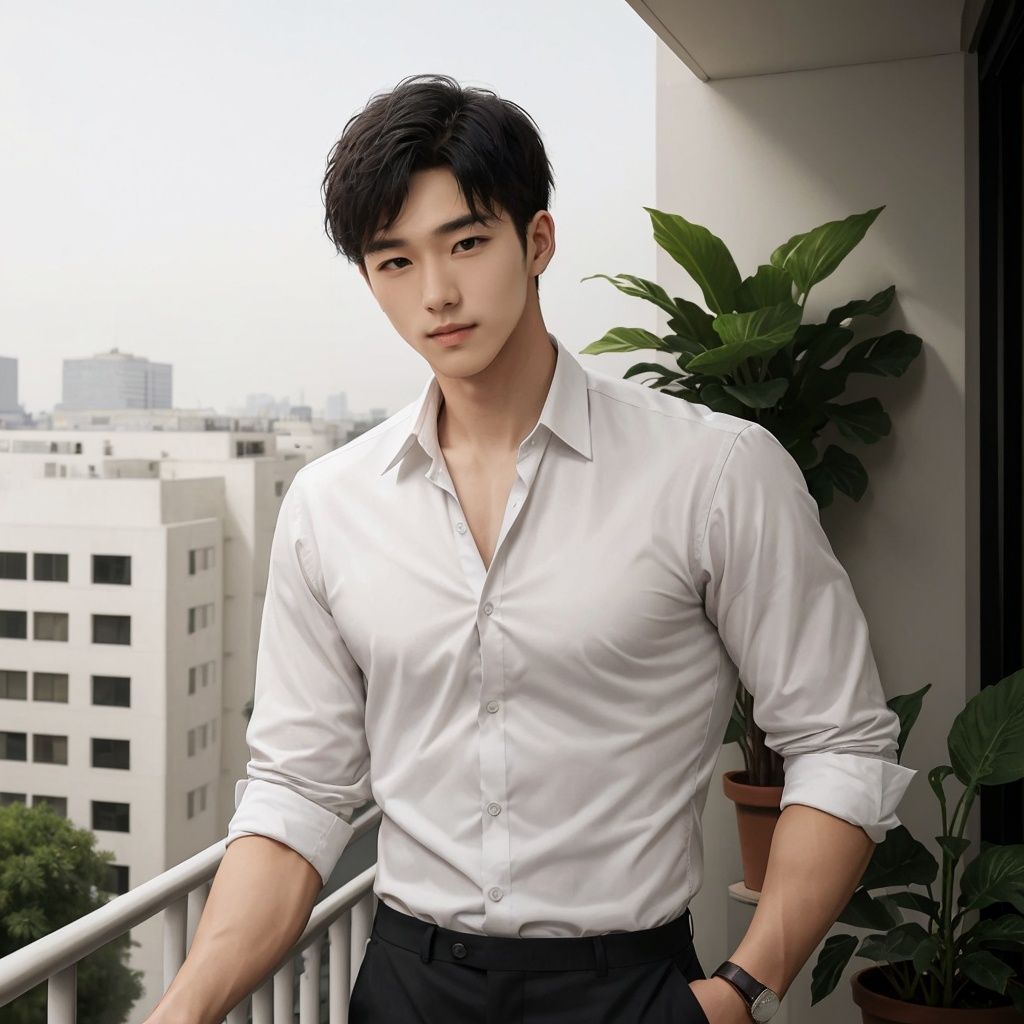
(181, 219)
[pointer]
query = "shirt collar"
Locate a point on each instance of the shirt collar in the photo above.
(566, 411)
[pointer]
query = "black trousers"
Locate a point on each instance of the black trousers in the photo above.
(414, 972)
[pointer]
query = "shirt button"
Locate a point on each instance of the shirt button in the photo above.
(461, 527)
(488, 608)
(495, 894)
(459, 950)
(492, 706)
(494, 808)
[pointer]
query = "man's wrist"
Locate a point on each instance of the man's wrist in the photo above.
(735, 997)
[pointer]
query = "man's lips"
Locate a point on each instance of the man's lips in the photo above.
(452, 329)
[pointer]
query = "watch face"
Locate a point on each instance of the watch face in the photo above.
(764, 1006)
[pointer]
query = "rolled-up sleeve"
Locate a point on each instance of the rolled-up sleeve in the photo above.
(309, 766)
(787, 615)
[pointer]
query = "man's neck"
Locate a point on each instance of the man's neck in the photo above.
(488, 415)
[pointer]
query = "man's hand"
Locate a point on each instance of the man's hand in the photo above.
(721, 1003)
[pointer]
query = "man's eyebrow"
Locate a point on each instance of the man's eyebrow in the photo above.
(442, 229)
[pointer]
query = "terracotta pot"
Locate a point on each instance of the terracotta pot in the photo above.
(877, 1007)
(757, 811)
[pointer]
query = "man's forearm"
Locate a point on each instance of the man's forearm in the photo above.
(258, 906)
(815, 864)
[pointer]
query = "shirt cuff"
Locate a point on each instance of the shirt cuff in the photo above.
(858, 788)
(265, 808)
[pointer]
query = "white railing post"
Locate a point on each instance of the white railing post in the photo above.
(62, 996)
(174, 939)
(309, 983)
(339, 971)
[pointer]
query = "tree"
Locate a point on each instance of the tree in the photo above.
(51, 874)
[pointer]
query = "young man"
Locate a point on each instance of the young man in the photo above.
(512, 615)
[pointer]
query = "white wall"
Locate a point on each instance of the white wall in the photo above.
(758, 160)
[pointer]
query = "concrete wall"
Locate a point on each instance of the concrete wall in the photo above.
(757, 160)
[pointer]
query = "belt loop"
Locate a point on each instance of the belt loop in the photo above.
(599, 956)
(427, 943)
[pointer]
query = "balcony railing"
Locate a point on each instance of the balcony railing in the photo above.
(342, 919)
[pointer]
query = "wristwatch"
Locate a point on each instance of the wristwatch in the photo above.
(761, 1001)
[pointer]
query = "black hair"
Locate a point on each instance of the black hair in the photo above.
(492, 146)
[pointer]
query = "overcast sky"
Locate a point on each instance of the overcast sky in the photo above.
(160, 181)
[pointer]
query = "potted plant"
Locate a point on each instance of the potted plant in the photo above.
(752, 356)
(942, 971)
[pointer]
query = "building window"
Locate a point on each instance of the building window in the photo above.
(117, 879)
(110, 753)
(191, 742)
(47, 566)
(58, 803)
(50, 626)
(50, 686)
(109, 817)
(13, 625)
(278, 488)
(243, 448)
(13, 684)
(13, 798)
(202, 736)
(200, 617)
(13, 565)
(200, 559)
(196, 801)
(13, 746)
(111, 629)
(115, 691)
(112, 569)
(47, 749)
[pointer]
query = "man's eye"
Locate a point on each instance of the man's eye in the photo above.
(461, 241)
(474, 238)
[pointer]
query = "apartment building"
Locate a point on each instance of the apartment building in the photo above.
(133, 568)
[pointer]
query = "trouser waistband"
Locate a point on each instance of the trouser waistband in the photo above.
(511, 953)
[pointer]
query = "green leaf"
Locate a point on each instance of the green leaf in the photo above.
(864, 421)
(953, 846)
(625, 339)
(915, 901)
(985, 970)
(899, 859)
(995, 875)
(761, 395)
(899, 943)
(986, 740)
(887, 356)
(701, 254)
(874, 306)
(926, 954)
(824, 344)
(693, 323)
(832, 960)
(812, 256)
(936, 776)
(864, 911)
(657, 368)
(714, 397)
(745, 335)
(1005, 932)
(768, 287)
(631, 285)
(844, 471)
(907, 707)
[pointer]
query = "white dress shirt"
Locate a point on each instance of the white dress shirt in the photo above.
(540, 734)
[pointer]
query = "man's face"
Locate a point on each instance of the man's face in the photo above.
(475, 274)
